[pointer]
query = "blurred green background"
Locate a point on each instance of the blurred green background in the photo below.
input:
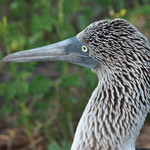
(41, 103)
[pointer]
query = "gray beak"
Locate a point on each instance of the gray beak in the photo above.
(68, 50)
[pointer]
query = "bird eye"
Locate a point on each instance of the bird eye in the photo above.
(84, 48)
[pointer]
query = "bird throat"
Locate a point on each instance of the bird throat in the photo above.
(112, 118)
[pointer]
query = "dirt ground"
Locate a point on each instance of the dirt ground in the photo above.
(144, 138)
(16, 139)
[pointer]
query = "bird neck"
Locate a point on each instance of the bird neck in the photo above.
(110, 120)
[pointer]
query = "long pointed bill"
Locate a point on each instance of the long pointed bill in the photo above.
(68, 50)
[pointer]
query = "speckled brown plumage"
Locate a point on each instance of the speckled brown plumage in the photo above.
(117, 108)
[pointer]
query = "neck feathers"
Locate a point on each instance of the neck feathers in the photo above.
(113, 116)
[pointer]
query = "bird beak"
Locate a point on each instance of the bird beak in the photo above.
(68, 50)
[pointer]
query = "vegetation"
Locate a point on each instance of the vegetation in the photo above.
(45, 100)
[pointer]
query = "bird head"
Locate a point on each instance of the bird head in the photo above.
(101, 43)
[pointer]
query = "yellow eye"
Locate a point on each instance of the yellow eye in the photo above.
(84, 48)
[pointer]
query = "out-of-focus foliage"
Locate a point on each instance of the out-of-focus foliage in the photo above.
(47, 99)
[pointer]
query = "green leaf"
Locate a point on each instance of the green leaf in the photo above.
(54, 146)
(70, 80)
(40, 85)
(107, 2)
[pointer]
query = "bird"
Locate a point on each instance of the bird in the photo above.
(120, 56)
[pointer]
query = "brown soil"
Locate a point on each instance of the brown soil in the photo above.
(16, 139)
(144, 138)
